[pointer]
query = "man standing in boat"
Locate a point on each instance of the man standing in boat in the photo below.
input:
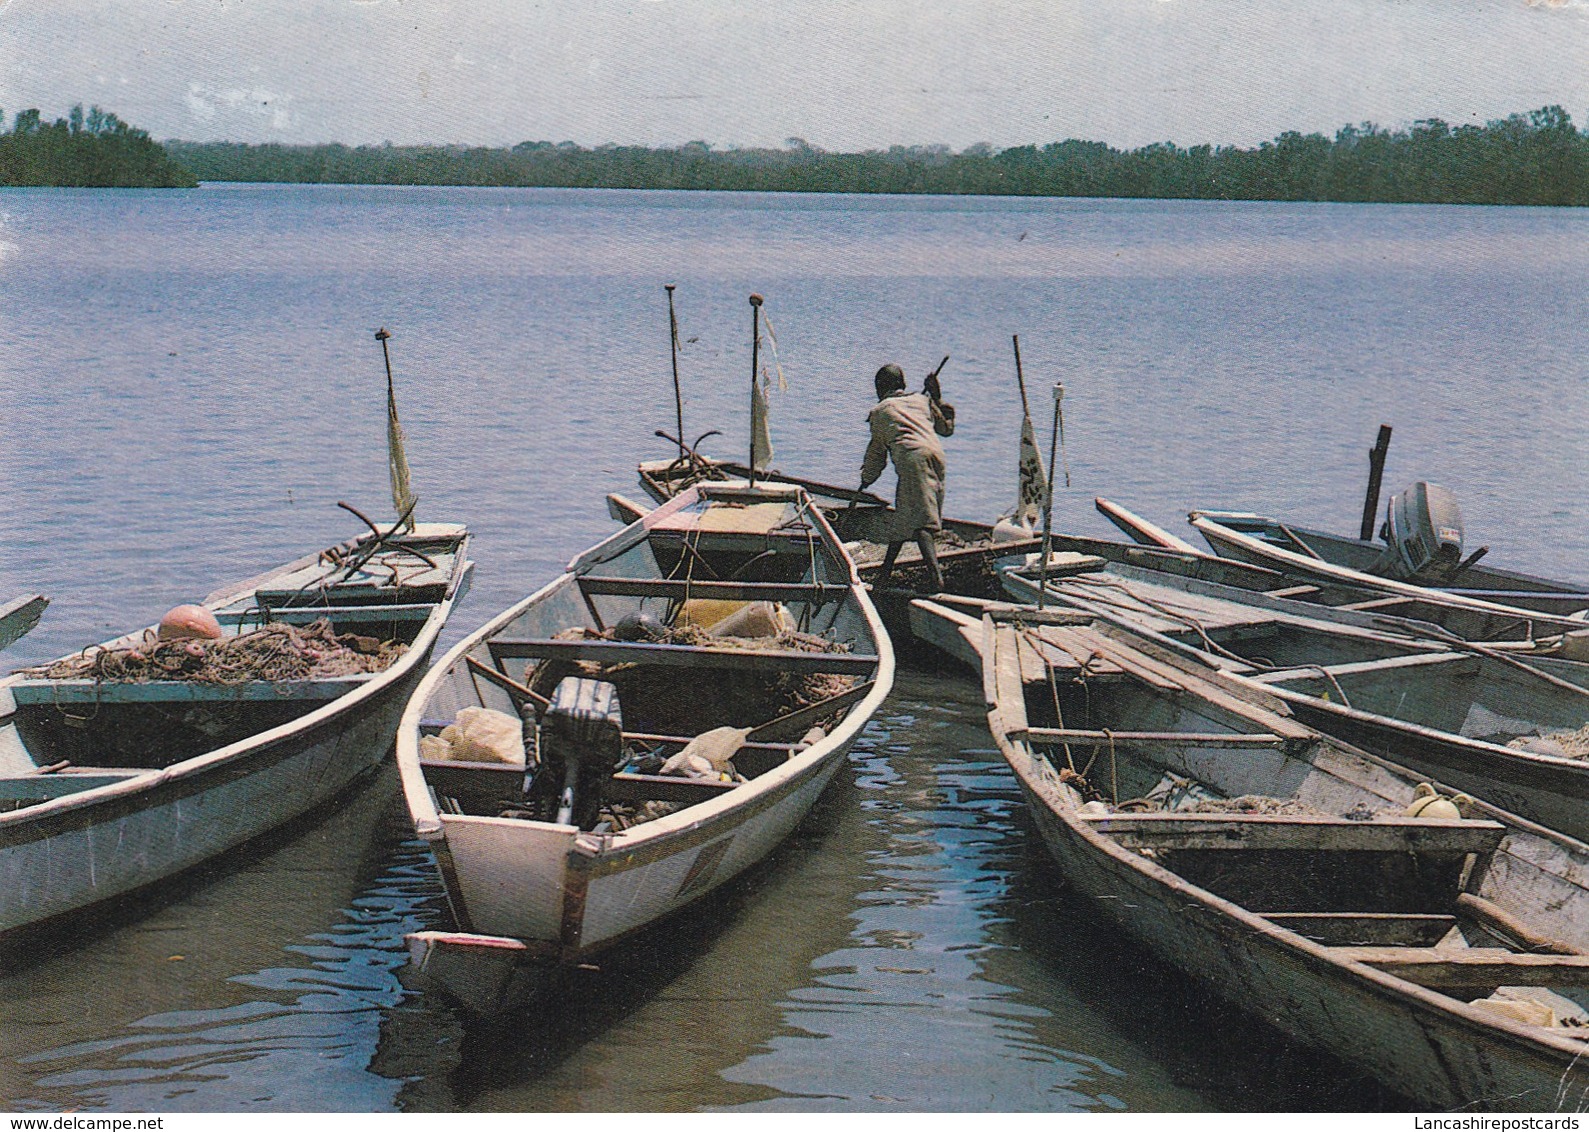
(905, 428)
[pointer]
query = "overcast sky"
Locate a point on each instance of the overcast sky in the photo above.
(843, 75)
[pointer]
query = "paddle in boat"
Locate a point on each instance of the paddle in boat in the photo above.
(146, 755)
(687, 688)
(1438, 942)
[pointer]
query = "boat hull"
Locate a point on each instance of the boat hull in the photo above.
(1432, 1047)
(1431, 1056)
(75, 835)
(68, 862)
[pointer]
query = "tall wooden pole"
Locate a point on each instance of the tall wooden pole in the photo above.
(1376, 469)
(1048, 503)
(673, 345)
(755, 362)
(1019, 377)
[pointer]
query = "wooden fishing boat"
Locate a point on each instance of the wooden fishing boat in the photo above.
(1531, 612)
(111, 781)
(968, 552)
(1310, 581)
(1507, 725)
(18, 616)
(1448, 956)
(728, 607)
(1299, 550)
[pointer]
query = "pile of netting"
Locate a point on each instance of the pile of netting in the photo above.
(1256, 804)
(276, 653)
(868, 553)
(673, 701)
(1562, 744)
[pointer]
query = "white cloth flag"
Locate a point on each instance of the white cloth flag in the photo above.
(760, 434)
(1033, 483)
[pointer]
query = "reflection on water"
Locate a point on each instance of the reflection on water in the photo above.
(908, 949)
(261, 988)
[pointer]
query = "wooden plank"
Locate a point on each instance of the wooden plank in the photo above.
(1323, 834)
(682, 740)
(1375, 603)
(307, 614)
(1292, 591)
(481, 785)
(18, 616)
(1150, 534)
(89, 692)
(1222, 694)
(1436, 967)
(1367, 929)
(681, 589)
(685, 656)
(796, 723)
(625, 510)
(512, 687)
(1493, 918)
(1222, 740)
(662, 788)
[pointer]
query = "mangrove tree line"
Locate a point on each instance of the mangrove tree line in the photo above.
(96, 149)
(1535, 158)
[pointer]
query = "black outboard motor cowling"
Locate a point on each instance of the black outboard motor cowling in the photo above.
(1423, 530)
(580, 744)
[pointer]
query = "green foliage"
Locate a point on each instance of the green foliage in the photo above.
(96, 150)
(1535, 158)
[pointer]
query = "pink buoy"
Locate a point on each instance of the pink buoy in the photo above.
(189, 622)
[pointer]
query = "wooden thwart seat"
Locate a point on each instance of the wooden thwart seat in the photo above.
(1223, 739)
(687, 656)
(1194, 831)
(481, 786)
(682, 589)
(1367, 929)
(308, 614)
(1438, 967)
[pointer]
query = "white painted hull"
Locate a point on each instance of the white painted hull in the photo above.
(98, 857)
(137, 828)
(530, 897)
(516, 877)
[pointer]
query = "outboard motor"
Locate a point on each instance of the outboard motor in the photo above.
(580, 744)
(1423, 532)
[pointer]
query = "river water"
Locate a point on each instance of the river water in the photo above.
(189, 383)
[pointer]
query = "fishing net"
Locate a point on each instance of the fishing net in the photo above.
(277, 653)
(1563, 744)
(1256, 804)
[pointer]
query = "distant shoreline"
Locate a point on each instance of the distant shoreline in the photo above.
(1539, 158)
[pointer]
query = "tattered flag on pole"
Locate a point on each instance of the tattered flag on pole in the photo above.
(761, 450)
(396, 459)
(1033, 482)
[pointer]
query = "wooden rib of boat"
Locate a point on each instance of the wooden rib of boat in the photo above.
(18, 616)
(533, 892)
(1449, 957)
(1443, 707)
(1270, 542)
(108, 786)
